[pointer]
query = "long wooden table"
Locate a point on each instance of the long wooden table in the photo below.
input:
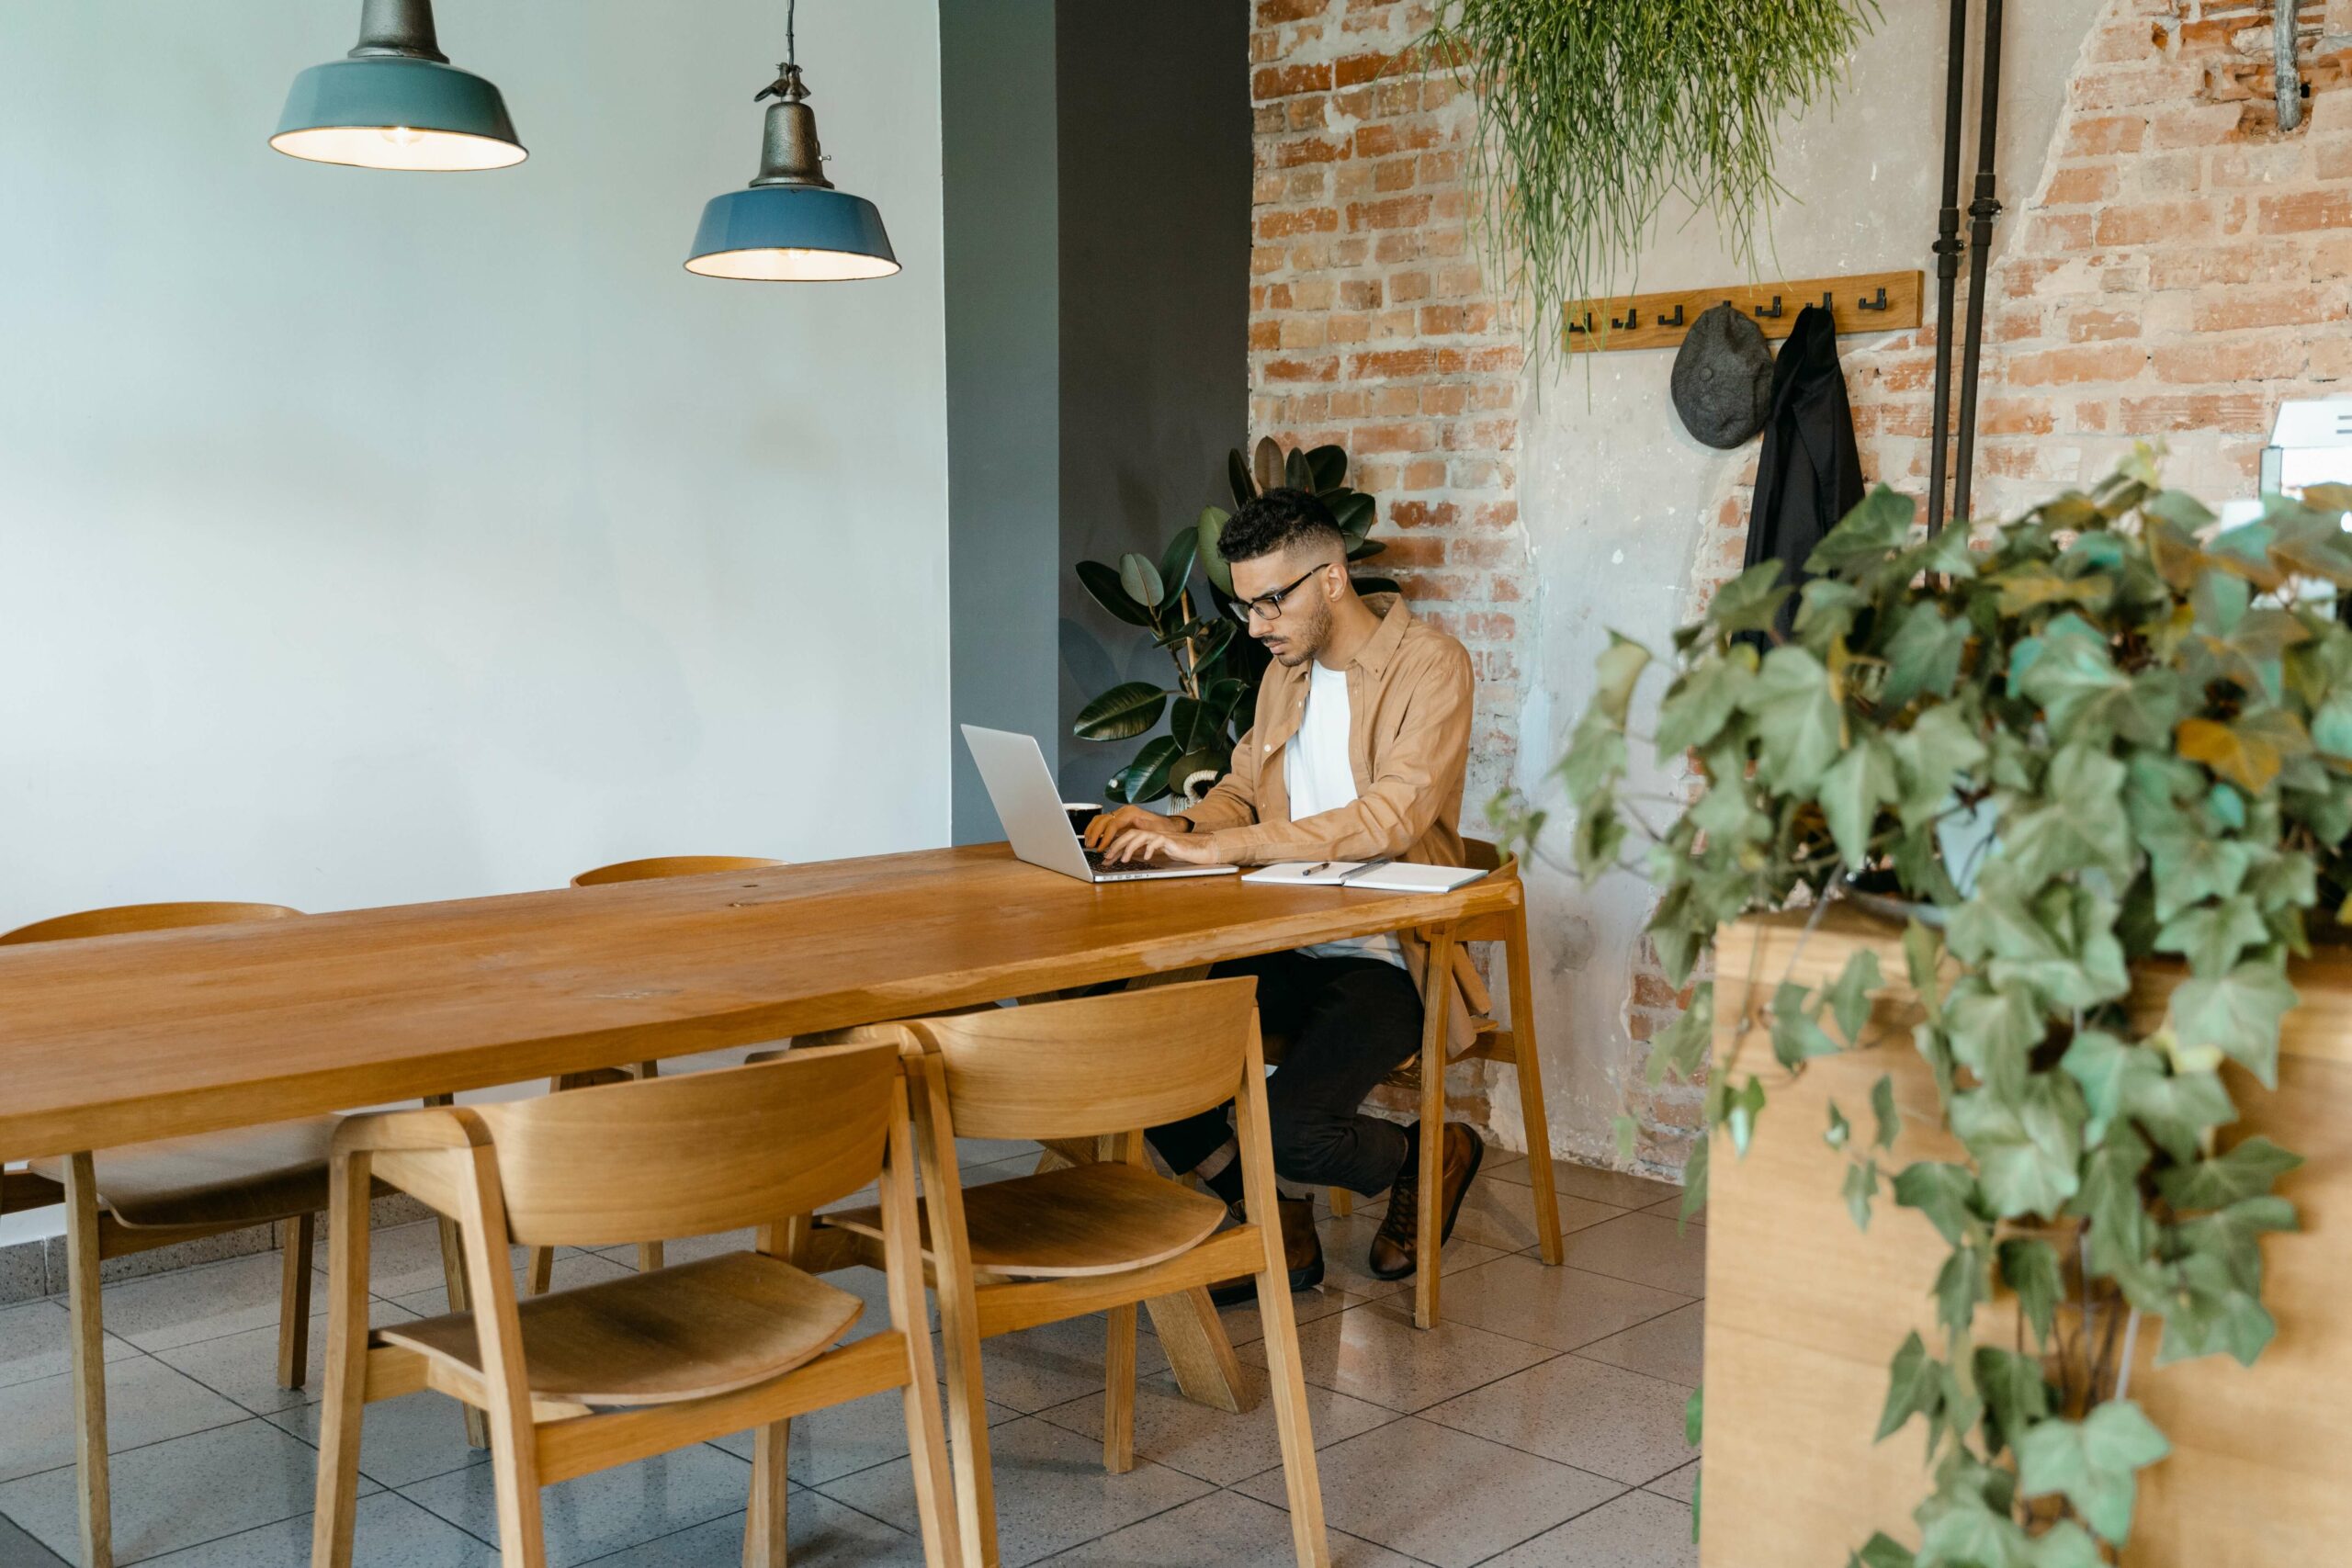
(117, 1039)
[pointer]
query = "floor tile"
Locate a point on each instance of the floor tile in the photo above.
(401, 1441)
(19, 1550)
(1672, 1210)
(1647, 1249)
(189, 1305)
(182, 1493)
(686, 1248)
(1374, 1353)
(1218, 1447)
(24, 1274)
(1681, 1485)
(1051, 1491)
(1243, 1326)
(1501, 1214)
(405, 1259)
(146, 1403)
(1225, 1528)
(243, 1366)
(1562, 1307)
(1441, 1495)
(846, 1439)
(36, 1341)
(594, 1516)
(1618, 1188)
(1051, 1364)
(1638, 1531)
(819, 1533)
(387, 1531)
(1346, 1253)
(1668, 1347)
(970, 1152)
(1604, 1419)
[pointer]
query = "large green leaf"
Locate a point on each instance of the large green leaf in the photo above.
(1798, 718)
(1914, 1387)
(1140, 577)
(1103, 583)
(1699, 703)
(1860, 782)
(1121, 713)
(1923, 655)
(2015, 1394)
(2212, 935)
(1325, 466)
(1947, 1194)
(2067, 669)
(1176, 561)
(2238, 1012)
(2029, 1267)
(1748, 601)
(2093, 1462)
(1354, 512)
(2247, 1171)
(1237, 476)
(1210, 524)
(1145, 778)
(1866, 535)
(2079, 823)
(2025, 1149)
(1615, 673)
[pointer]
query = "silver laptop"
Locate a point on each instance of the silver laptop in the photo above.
(1021, 787)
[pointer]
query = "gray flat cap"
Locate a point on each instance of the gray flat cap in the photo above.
(1723, 378)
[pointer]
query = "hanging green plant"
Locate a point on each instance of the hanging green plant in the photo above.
(1590, 112)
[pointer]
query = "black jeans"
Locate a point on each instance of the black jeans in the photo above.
(1351, 1023)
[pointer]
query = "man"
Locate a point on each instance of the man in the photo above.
(1357, 751)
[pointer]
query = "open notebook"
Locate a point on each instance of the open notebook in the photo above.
(1389, 876)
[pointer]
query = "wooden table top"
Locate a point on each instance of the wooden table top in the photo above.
(115, 1040)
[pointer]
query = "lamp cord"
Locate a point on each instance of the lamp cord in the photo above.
(791, 23)
(787, 84)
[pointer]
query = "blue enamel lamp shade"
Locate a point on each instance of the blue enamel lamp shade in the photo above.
(791, 234)
(395, 112)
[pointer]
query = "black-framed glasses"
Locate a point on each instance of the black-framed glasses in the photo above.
(1267, 605)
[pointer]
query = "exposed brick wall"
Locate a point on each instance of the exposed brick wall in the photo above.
(2174, 269)
(1371, 326)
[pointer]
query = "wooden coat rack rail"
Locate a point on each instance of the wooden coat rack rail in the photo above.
(1859, 302)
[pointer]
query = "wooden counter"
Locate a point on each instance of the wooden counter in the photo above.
(1805, 1310)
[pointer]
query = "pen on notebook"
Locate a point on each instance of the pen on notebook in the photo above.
(1368, 865)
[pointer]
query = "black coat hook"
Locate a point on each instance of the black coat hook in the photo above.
(1772, 314)
(1826, 303)
(1633, 318)
(1585, 326)
(1878, 304)
(1675, 320)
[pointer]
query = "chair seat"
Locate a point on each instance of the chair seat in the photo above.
(247, 1177)
(1087, 1219)
(687, 1332)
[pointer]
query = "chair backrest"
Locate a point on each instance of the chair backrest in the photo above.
(124, 918)
(695, 1154)
(1096, 1064)
(1481, 855)
(669, 865)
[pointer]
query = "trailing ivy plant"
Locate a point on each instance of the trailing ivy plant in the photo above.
(2153, 717)
(1216, 668)
(1590, 114)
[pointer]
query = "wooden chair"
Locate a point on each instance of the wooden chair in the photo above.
(541, 1265)
(120, 1202)
(582, 1380)
(1089, 1074)
(1491, 1042)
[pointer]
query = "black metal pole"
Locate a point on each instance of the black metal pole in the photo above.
(1981, 213)
(1947, 248)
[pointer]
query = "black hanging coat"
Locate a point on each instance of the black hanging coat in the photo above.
(1810, 473)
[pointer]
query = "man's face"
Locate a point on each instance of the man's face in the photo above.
(1297, 632)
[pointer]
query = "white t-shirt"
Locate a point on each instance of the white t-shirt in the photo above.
(1319, 778)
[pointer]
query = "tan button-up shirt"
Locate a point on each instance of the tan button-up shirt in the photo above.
(1409, 698)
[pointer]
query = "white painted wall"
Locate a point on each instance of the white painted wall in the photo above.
(1614, 492)
(369, 537)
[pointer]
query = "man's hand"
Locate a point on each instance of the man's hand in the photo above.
(1154, 840)
(1111, 824)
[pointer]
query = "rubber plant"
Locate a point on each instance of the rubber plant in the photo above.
(2152, 716)
(1589, 114)
(1217, 668)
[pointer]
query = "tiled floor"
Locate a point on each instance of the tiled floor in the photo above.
(1541, 1424)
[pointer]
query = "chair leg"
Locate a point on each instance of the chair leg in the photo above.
(542, 1272)
(296, 1239)
(89, 1361)
(1343, 1203)
(1533, 1119)
(1435, 1010)
(763, 1526)
(649, 1257)
(1287, 1384)
(453, 1278)
(341, 1412)
(1119, 1391)
(954, 1509)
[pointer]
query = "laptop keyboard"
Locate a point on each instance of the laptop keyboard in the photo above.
(1095, 862)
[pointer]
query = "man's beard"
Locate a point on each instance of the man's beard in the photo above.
(1306, 642)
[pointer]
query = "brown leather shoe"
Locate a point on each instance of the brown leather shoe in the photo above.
(1302, 1250)
(1393, 1246)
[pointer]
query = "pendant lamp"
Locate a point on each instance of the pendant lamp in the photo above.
(790, 225)
(397, 102)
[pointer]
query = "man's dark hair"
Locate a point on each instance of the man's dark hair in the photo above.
(1276, 519)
